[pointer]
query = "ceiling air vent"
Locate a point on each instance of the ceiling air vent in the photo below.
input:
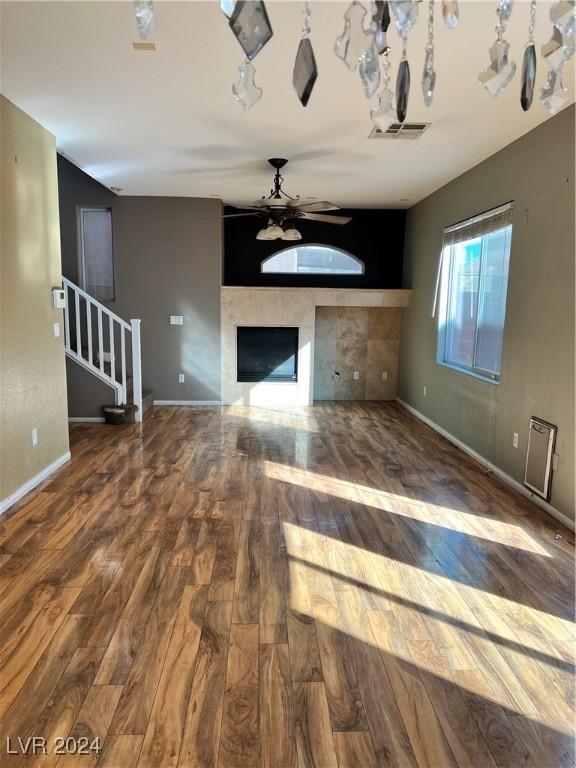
(144, 46)
(400, 131)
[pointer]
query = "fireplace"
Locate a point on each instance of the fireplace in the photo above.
(267, 354)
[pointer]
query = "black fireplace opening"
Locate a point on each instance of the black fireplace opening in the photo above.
(267, 354)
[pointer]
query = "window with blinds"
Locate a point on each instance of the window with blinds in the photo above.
(95, 252)
(473, 286)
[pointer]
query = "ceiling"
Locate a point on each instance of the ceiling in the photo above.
(165, 122)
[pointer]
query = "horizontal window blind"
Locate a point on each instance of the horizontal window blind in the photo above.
(497, 218)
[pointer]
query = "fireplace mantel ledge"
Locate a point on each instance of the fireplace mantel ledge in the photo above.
(332, 297)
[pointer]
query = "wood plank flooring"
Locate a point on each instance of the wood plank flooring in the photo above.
(333, 587)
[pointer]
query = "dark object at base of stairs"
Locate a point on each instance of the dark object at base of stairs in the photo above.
(120, 414)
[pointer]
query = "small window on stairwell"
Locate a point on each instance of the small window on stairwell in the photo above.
(96, 262)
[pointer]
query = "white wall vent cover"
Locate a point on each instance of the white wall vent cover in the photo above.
(541, 440)
(400, 131)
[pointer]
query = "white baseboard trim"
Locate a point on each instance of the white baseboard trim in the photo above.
(492, 467)
(86, 419)
(187, 402)
(9, 501)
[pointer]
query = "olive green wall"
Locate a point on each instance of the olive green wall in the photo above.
(537, 173)
(32, 370)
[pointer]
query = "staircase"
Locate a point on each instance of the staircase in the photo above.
(105, 345)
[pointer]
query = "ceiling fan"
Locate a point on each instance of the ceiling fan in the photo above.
(281, 210)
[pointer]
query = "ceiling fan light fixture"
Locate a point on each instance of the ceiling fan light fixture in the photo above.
(275, 232)
(271, 232)
(291, 234)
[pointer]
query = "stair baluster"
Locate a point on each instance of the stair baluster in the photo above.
(117, 375)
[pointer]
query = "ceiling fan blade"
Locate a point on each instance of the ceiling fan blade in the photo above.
(327, 219)
(229, 216)
(323, 205)
(236, 215)
(244, 207)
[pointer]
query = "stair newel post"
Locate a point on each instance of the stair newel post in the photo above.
(78, 324)
(67, 315)
(123, 362)
(111, 347)
(136, 367)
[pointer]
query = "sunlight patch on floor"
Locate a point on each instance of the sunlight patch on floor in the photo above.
(341, 585)
(275, 417)
(456, 520)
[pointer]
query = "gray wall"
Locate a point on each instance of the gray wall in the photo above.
(537, 173)
(167, 261)
(76, 189)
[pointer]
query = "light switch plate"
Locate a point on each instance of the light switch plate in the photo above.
(56, 330)
(180, 378)
(176, 320)
(356, 375)
(34, 437)
(58, 298)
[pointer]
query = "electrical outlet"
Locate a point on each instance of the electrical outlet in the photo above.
(356, 375)
(176, 320)
(515, 440)
(56, 330)
(34, 437)
(424, 390)
(180, 378)
(384, 375)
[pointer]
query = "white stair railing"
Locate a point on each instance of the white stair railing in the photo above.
(110, 328)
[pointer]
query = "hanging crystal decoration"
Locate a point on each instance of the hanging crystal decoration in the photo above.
(144, 17)
(405, 15)
(384, 113)
(450, 13)
(529, 63)
(227, 7)
(501, 71)
(369, 66)
(305, 70)
(402, 88)
(245, 90)
(250, 24)
(369, 70)
(554, 94)
(557, 52)
(429, 75)
(382, 22)
(354, 40)
(528, 77)
(554, 51)
(563, 17)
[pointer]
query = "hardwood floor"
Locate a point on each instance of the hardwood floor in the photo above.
(334, 586)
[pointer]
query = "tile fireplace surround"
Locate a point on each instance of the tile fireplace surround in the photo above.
(285, 307)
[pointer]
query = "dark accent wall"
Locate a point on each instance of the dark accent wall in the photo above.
(374, 236)
(167, 261)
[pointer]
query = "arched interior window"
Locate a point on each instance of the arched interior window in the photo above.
(313, 260)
